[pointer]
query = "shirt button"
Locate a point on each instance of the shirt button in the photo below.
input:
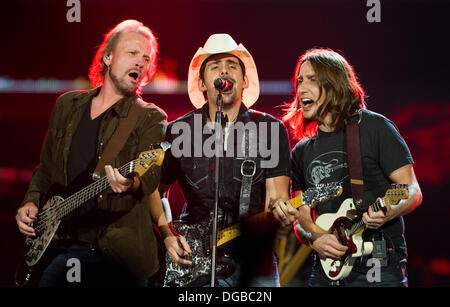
(101, 143)
(99, 157)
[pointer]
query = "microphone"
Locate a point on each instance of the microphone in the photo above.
(222, 84)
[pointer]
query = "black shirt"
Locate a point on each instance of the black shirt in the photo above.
(323, 159)
(80, 166)
(191, 160)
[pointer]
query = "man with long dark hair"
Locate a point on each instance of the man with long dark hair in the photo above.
(327, 92)
(112, 234)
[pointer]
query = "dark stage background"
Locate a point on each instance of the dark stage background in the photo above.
(402, 63)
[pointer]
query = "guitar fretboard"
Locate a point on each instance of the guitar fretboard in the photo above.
(358, 223)
(76, 200)
(311, 197)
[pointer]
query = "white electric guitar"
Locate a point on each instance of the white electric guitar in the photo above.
(348, 227)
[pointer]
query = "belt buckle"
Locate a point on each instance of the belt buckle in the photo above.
(253, 166)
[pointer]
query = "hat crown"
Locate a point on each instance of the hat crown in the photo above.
(218, 43)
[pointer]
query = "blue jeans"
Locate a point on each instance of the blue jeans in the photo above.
(393, 275)
(95, 270)
(235, 280)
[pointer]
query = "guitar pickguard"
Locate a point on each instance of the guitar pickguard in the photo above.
(347, 225)
(46, 229)
(197, 236)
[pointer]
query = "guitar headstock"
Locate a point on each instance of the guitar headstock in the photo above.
(147, 159)
(396, 193)
(321, 193)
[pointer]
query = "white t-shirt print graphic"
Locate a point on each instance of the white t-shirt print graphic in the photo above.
(328, 167)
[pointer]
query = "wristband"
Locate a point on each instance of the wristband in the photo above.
(302, 235)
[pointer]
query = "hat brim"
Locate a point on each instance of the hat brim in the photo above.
(250, 94)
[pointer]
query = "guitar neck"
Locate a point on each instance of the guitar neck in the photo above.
(295, 202)
(76, 200)
(311, 197)
(232, 232)
(227, 234)
(360, 223)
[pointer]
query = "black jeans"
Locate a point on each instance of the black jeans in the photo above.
(393, 275)
(94, 270)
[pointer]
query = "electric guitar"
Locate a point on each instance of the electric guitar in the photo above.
(56, 209)
(348, 227)
(199, 238)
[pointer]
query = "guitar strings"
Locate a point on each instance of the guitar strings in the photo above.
(70, 203)
(87, 191)
(92, 187)
(74, 201)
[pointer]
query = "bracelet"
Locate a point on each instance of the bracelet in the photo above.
(303, 235)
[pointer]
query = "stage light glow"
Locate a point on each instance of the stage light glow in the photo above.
(160, 85)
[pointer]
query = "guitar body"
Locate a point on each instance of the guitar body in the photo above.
(35, 247)
(37, 252)
(337, 223)
(198, 237)
(348, 227)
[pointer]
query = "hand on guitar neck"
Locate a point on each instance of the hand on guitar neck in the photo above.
(26, 214)
(376, 219)
(119, 183)
(284, 212)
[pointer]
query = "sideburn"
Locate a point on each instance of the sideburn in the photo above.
(327, 108)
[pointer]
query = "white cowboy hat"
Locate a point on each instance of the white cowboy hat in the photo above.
(222, 43)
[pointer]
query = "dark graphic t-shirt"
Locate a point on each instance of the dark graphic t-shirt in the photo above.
(323, 159)
(196, 173)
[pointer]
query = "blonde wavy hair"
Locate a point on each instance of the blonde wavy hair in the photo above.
(98, 68)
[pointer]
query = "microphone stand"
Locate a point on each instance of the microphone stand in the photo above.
(218, 134)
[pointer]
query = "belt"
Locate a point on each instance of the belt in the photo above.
(93, 246)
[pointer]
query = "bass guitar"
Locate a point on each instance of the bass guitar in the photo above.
(56, 209)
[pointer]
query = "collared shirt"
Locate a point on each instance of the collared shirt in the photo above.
(191, 161)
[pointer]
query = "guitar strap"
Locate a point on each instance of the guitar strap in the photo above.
(357, 183)
(248, 170)
(118, 139)
(354, 159)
